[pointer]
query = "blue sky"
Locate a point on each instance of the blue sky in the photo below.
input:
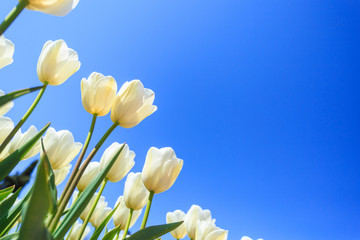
(260, 99)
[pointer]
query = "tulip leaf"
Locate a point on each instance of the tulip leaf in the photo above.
(154, 232)
(81, 203)
(9, 163)
(112, 233)
(13, 215)
(11, 96)
(32, 225)
(5, 192)
(7, 204)
(13, 236)
(98, 230)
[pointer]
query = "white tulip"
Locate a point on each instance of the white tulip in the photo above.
(121, 214)
(100, 215)
(7, 106)
(135, 193)
(99, 209)
(60, 147)
(21, 138)
(98, 93)
(6, 126)
(203, 228)
(194, 214)
(52, 7)
(61, 173)
(91, 171)
(7, 49)
(123, 163)
(132, 104)
(177, 216)
(74, 234)
(161, 169)
(57, 62)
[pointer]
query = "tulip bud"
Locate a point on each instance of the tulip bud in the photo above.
(6, 126)
(57, 62)
(99, 209)
(100, 215)
(98, 93)
(7, 106)
(194, 214)
(7, 49)
(123, 163)
(60, 147)
(54, 7)
(74, 234)
(21, 138)
(161, 169)
(91, 171)
(135, 193)
(177, 216)
(121, 214)
(61, 173)
(203, 228)
(132, 104)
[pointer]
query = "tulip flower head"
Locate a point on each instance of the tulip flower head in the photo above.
(132, 104)
(53, 7)
(99, 215)
(98, 93)
(195, 214)
(161, 169)
(74, 234)
(7, 106)
(21, 138)
(122, 214)
(123, 163)
(7, 49)
(135, 193)
(60, 147)
(6, 126)
(177, 216)
(57, 62)
(91, 171)
(207, 230)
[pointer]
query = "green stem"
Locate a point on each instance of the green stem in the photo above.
(83, 227)
(147, 211)
(128, 224)
(117, 235)
(23, 119)
(78, 176)
(81, 157)
(13, 15)
(72, 227)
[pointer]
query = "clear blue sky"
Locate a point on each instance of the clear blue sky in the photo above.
(260, 98)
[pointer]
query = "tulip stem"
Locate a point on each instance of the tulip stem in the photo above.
(68, 194)
(83, 227)
(72, 227)
(81, 157)
(147, 211)
(128, 224)
(117, 235)
(13, 15)
(24, 118)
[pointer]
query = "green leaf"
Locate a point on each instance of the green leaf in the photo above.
(11, 96)
(13, 236)
(5, 192)
(9, 163)
(153, 232)
(13, 215)
(98, 231)
(7, 204)
(32, 226)
(81, 203)
(111, 234)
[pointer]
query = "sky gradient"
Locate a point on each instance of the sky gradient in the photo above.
(259, 98)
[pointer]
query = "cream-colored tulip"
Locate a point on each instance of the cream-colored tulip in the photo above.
(98, 93)
(7, 49)
(135, 193)
(61, 173)
(194, 214)
(52, 7)
(74, 234)
(7, 106)
(123, 163)
(207, 230)
(21, 138)
(217, 234)
(100, 215)
(57, 62)
(60, 147)
(132, 104)
(99, 209)
(91, 171)
(161, 169)
(177, 216)
(6, 125)
(121, 214)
